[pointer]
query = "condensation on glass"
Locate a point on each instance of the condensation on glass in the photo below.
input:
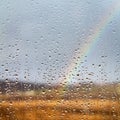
(59, 60)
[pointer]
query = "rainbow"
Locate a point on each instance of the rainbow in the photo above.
(91, 41)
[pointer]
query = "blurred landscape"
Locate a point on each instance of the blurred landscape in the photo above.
(60, 60)
(85, 101)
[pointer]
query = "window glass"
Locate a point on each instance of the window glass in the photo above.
(59, 60)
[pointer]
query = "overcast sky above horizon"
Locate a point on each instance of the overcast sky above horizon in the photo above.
(38, 39)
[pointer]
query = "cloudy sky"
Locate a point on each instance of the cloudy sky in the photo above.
(39, 39)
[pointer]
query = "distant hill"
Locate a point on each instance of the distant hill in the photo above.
(7, 86)
(83, 90)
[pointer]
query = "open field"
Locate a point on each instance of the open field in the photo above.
(77, 109)
(26, 101)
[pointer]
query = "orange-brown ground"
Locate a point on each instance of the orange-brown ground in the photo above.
(76, 109)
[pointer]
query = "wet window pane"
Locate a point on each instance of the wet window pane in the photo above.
(59, 60)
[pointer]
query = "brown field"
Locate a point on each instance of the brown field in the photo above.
(76, 109)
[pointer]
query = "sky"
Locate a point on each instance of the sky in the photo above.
(39, 40)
